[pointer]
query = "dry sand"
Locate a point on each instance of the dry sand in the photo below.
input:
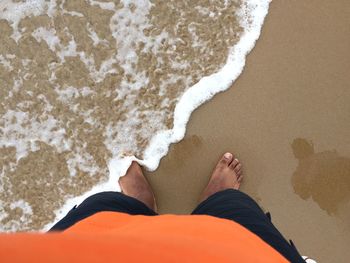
(288, 119)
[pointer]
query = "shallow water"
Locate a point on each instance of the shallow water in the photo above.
(87, 82)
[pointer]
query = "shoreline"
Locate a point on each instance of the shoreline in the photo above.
(87, 84)
(193, 98)
(294, 86)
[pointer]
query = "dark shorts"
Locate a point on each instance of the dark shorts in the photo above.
(229, 204)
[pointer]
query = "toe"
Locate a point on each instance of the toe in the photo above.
(239, 176)
(226, 159)
(234, 163)
(238, 167)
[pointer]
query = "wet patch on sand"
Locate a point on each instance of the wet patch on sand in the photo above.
(323, 176)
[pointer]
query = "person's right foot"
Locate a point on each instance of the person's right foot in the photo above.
(226, 175)
(135, 184)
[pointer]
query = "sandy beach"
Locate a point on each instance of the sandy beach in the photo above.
(86, 82)
(287, 118)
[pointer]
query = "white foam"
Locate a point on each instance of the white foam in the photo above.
(117, 167)
(308, 260)
(252, 14)
(208, 86)
(82, 160)
(12, 225)
(67, 94)
(16, 11)
(5, 63)
(95, 38)
(103, 5)
(70, 50)
(85, 91)
(48, 35)
(26, 208)
(20, 131)
(127, 27)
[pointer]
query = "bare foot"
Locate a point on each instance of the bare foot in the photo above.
(226, 175)
(134, 184)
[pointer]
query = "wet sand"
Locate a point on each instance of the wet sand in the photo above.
(82, 84)
(288, 119)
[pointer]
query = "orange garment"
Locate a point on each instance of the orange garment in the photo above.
(118, 237)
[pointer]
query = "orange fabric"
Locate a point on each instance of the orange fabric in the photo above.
(117, 237)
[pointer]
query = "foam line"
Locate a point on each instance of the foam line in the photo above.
(196, 95)
(208, 86)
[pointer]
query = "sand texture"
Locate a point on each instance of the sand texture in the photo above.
(288, 119)
(90, 81)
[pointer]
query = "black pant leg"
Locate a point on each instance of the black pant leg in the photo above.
(239, 207)
(105, 201)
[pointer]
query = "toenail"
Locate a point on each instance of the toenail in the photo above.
(228, 156)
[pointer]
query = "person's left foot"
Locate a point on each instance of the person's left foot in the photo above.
(134, 184)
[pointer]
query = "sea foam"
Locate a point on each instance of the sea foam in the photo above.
(252, 15)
